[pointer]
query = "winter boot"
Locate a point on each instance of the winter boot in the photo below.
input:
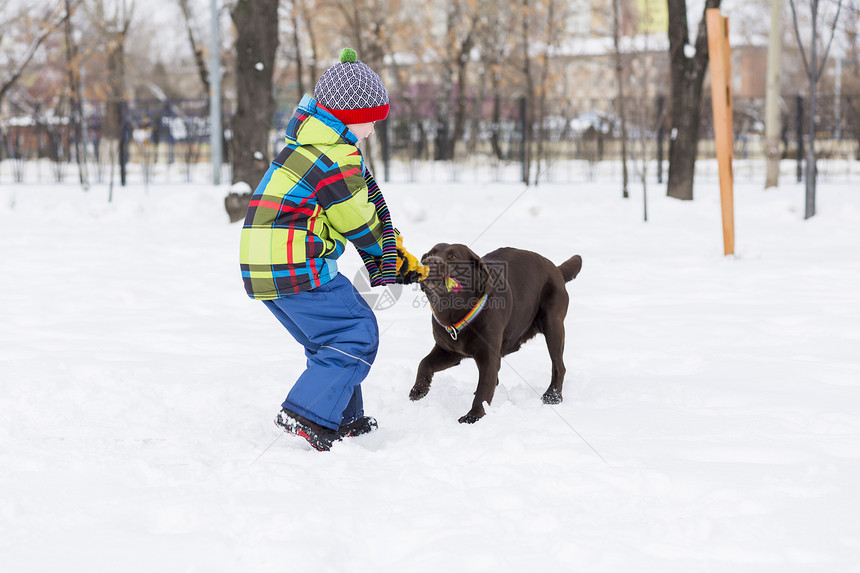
(363, 425)
(320, 437)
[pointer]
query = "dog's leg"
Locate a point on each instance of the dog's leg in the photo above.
(553, 331)
(488, 378)
(437, 360)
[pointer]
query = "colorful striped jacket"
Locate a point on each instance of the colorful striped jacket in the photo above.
(316, 195)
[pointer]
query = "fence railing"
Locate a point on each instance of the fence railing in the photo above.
(168, 141)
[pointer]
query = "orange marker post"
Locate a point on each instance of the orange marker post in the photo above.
(721, 96)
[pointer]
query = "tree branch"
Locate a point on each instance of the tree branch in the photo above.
(829, 42)
(797, 33)
(202, 71)
(46, 31)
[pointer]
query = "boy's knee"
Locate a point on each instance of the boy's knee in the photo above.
(372, 345)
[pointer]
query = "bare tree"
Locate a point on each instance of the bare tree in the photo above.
(410, 64)
(551, 35)
(689, 63)
(852, 80)
(772, 120)
(76, 112)
(371, 27)
(814, 68)
(301, 21)
(196, 47)
(47, 24)
(619, 80)
(256, 44)
(494, 46)
(524, 15)
(112, 20)
(642, 75)
(461, 24)
(295, 18)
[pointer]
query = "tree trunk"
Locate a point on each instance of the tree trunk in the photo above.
(73, 69)
(256, 42)
(297, 45)
(460, 99)
(814, 71)
(772, 123)
(196, 49)
(550, 41)
(527, 114)
(309, 24)
(684, 141)
(619, 80)
(496, 121)
(688, 75)
(115, 120)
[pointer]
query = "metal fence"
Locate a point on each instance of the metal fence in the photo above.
(166, 141)
(155, 141)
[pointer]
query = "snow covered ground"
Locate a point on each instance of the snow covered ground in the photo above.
(711, 419)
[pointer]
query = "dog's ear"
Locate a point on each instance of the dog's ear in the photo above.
(483, 282)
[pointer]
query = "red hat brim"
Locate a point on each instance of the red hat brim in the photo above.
(365, 115)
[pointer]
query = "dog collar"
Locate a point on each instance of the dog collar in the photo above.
(455, 329)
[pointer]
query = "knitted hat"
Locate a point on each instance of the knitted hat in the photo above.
(351, 91)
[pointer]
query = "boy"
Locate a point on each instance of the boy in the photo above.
(316, 195)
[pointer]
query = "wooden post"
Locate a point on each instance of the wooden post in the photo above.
(721, 96)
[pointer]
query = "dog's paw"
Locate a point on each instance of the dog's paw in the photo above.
(418, 391)
(552, 396)
(471, 417)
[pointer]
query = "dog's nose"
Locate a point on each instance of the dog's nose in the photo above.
(431, 260)
(435, 264)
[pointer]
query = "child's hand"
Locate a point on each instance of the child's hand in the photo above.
(409, 269)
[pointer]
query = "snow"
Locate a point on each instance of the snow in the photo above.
(241, 187)
(710, 421)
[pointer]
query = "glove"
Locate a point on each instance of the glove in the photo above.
(409, 269)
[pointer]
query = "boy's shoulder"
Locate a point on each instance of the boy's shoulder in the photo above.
(340, 153)
(344, 153)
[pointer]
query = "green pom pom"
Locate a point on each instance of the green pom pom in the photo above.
(348, 55)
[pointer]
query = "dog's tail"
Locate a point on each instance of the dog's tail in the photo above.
(571, 267)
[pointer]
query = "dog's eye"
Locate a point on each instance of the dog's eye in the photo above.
(451, 256)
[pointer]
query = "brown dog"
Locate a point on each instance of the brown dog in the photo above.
(486, 308)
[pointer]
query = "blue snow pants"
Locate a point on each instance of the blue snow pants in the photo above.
(339, 332)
